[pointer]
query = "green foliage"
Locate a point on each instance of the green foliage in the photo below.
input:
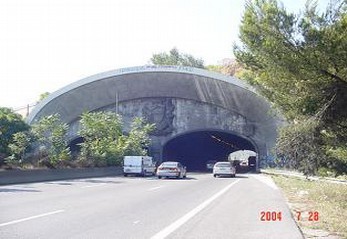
(50, 133)
(174, 57)
(104, 142)
(21, 143)
(335, 146)
(229, 67)
(215, 68)
(298, 61)
(300, 146)
(10, 123)
(138, 139)
(43, 96)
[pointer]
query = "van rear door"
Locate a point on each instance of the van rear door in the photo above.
(132, 165)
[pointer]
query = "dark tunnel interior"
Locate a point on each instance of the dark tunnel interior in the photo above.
(74, 146)
(194, 149)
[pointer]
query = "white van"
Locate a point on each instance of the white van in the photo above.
(138, 165)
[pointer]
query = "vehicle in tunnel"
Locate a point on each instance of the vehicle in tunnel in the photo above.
(171, 169)
(244, 160)
(224, 169)
(252, 161)
(210, 164)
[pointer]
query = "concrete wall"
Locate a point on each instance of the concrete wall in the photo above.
(39, 175)
(178, 116)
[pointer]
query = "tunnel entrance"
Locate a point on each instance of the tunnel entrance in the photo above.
(194, 149)
(75, 146)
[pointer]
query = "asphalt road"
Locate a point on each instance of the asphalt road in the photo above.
(198, 207)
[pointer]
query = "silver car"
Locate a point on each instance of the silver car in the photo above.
(171, 169)
(224, 169)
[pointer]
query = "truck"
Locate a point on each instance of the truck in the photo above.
(138, 166)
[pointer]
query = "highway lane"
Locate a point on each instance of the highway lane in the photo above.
(116, 207)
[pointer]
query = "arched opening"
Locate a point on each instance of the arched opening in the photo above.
(75, 146)
(245, 160)
(194, 149)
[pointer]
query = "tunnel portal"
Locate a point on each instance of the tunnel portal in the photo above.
(196, 148)
(180, 101)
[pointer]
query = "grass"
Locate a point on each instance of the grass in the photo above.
(328, 199)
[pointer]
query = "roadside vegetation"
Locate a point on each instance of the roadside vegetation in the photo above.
(175, 58)
(298, 62)
(327, 200)
(45, 144)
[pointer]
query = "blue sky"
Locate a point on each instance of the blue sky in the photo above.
(47, 44)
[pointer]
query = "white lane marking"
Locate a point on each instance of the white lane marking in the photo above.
(92, 186)
(30, 218)
(267, 180)
(178, 223)
(136, 222)
(155, 188)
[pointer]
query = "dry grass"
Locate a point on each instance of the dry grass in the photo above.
(328, 199)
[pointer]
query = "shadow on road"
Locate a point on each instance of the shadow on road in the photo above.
(171, 178)
(18, 190)
(241, 176)
(101, 181)
(180, 179)
(60, 183)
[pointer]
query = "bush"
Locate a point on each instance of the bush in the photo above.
(300, 146)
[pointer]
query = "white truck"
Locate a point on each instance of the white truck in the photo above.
(138, 165)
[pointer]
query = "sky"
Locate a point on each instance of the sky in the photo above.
(48, 44)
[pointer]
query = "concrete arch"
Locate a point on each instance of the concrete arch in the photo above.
(179, 99)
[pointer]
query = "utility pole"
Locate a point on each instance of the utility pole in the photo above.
(28, 109)
(116, 102)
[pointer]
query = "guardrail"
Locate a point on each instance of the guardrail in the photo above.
(301, 175)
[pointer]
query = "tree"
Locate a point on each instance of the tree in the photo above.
(297, 140)
(229, 67)
(104, 140)
(10, 123)
(43, 96)
(138, 139)
(20, 145)
(50, 133)
(174, 57)
(298, 61)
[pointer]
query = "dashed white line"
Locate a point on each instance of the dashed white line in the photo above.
(178, 223)
(155, 188)
(30, 218)
(92, 186)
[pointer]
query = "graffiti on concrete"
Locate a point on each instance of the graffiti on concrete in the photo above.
(160, 112)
